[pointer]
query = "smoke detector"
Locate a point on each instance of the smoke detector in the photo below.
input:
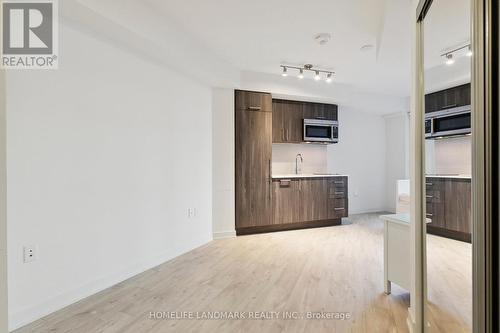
(322, 38)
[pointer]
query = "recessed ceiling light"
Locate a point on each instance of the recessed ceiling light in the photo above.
(322, 38)
(317, 77)
(329, 77)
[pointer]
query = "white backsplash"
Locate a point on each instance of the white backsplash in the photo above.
(449, 156)
(315, 158)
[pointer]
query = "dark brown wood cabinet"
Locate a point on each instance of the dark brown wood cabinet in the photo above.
(448, 98)
(337, 198)
(253, 149)
(286, 201)
(253, 101)
(320, 111)
(288, 116)
(287, 121)
(303, 202)
(313, 199)
(449, 207)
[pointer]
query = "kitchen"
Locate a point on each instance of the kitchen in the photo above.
(271, 196)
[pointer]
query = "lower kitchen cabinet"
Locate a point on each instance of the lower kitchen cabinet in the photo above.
(449, 207)
(286, 201)
(313, 199)
(305, 202)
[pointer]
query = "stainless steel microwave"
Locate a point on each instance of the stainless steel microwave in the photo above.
(321, 131)
(451, 122)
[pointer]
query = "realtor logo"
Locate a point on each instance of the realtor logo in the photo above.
(29, 34)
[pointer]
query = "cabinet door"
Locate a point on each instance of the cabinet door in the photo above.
(432, 102)
(278, 123)
(464, 93)
(435, 202)
(313, 199)
(286, 201)
(253, 145)
(294, 123)
(287, 121)
(253, 101)
(458, 205)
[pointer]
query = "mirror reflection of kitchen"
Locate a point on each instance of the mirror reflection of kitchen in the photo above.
(447, 65)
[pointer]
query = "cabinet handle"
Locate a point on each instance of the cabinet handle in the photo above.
(270, 180)
(428, 184)
(339, 192)
(428, 215)
(339, 208)
(287, 134)
(429, 196)
(254, 108)
(283, 134)
(338, 182)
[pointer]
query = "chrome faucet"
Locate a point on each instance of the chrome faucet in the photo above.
(298, 169)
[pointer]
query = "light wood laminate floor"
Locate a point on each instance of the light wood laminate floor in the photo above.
(335, 269)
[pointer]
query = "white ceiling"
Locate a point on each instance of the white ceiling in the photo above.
(446, 26)
(228, 37)
(259, 35)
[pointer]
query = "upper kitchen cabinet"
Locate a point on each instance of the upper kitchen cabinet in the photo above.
(448, 98)
(288, 118)
(253, 101)
(287, 121)
(253, 149)
(320, 111)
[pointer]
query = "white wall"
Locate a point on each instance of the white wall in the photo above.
(361, 154)
(104, 157)
(449, 156)
(314, 156)
(397, 154)
(3, 215)
(223, 163)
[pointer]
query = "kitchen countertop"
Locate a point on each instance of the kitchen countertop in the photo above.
(306, 175)
(449, 176)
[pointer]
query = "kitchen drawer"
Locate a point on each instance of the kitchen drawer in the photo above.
(337, 192)
(339, 182)
(253, 101)
(337, 208)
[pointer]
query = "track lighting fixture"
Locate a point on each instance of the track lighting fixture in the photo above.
(450, 55)
(308, 68)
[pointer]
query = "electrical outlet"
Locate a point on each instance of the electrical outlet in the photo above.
(191, 212)
(30, 253)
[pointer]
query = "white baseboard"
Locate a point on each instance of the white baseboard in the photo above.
(53, 304)
(224, 234)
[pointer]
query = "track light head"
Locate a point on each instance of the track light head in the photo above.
(449, 59)
(285, 71)
(469, 52)
(329, 78)
(316, 76)
(301, 74)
